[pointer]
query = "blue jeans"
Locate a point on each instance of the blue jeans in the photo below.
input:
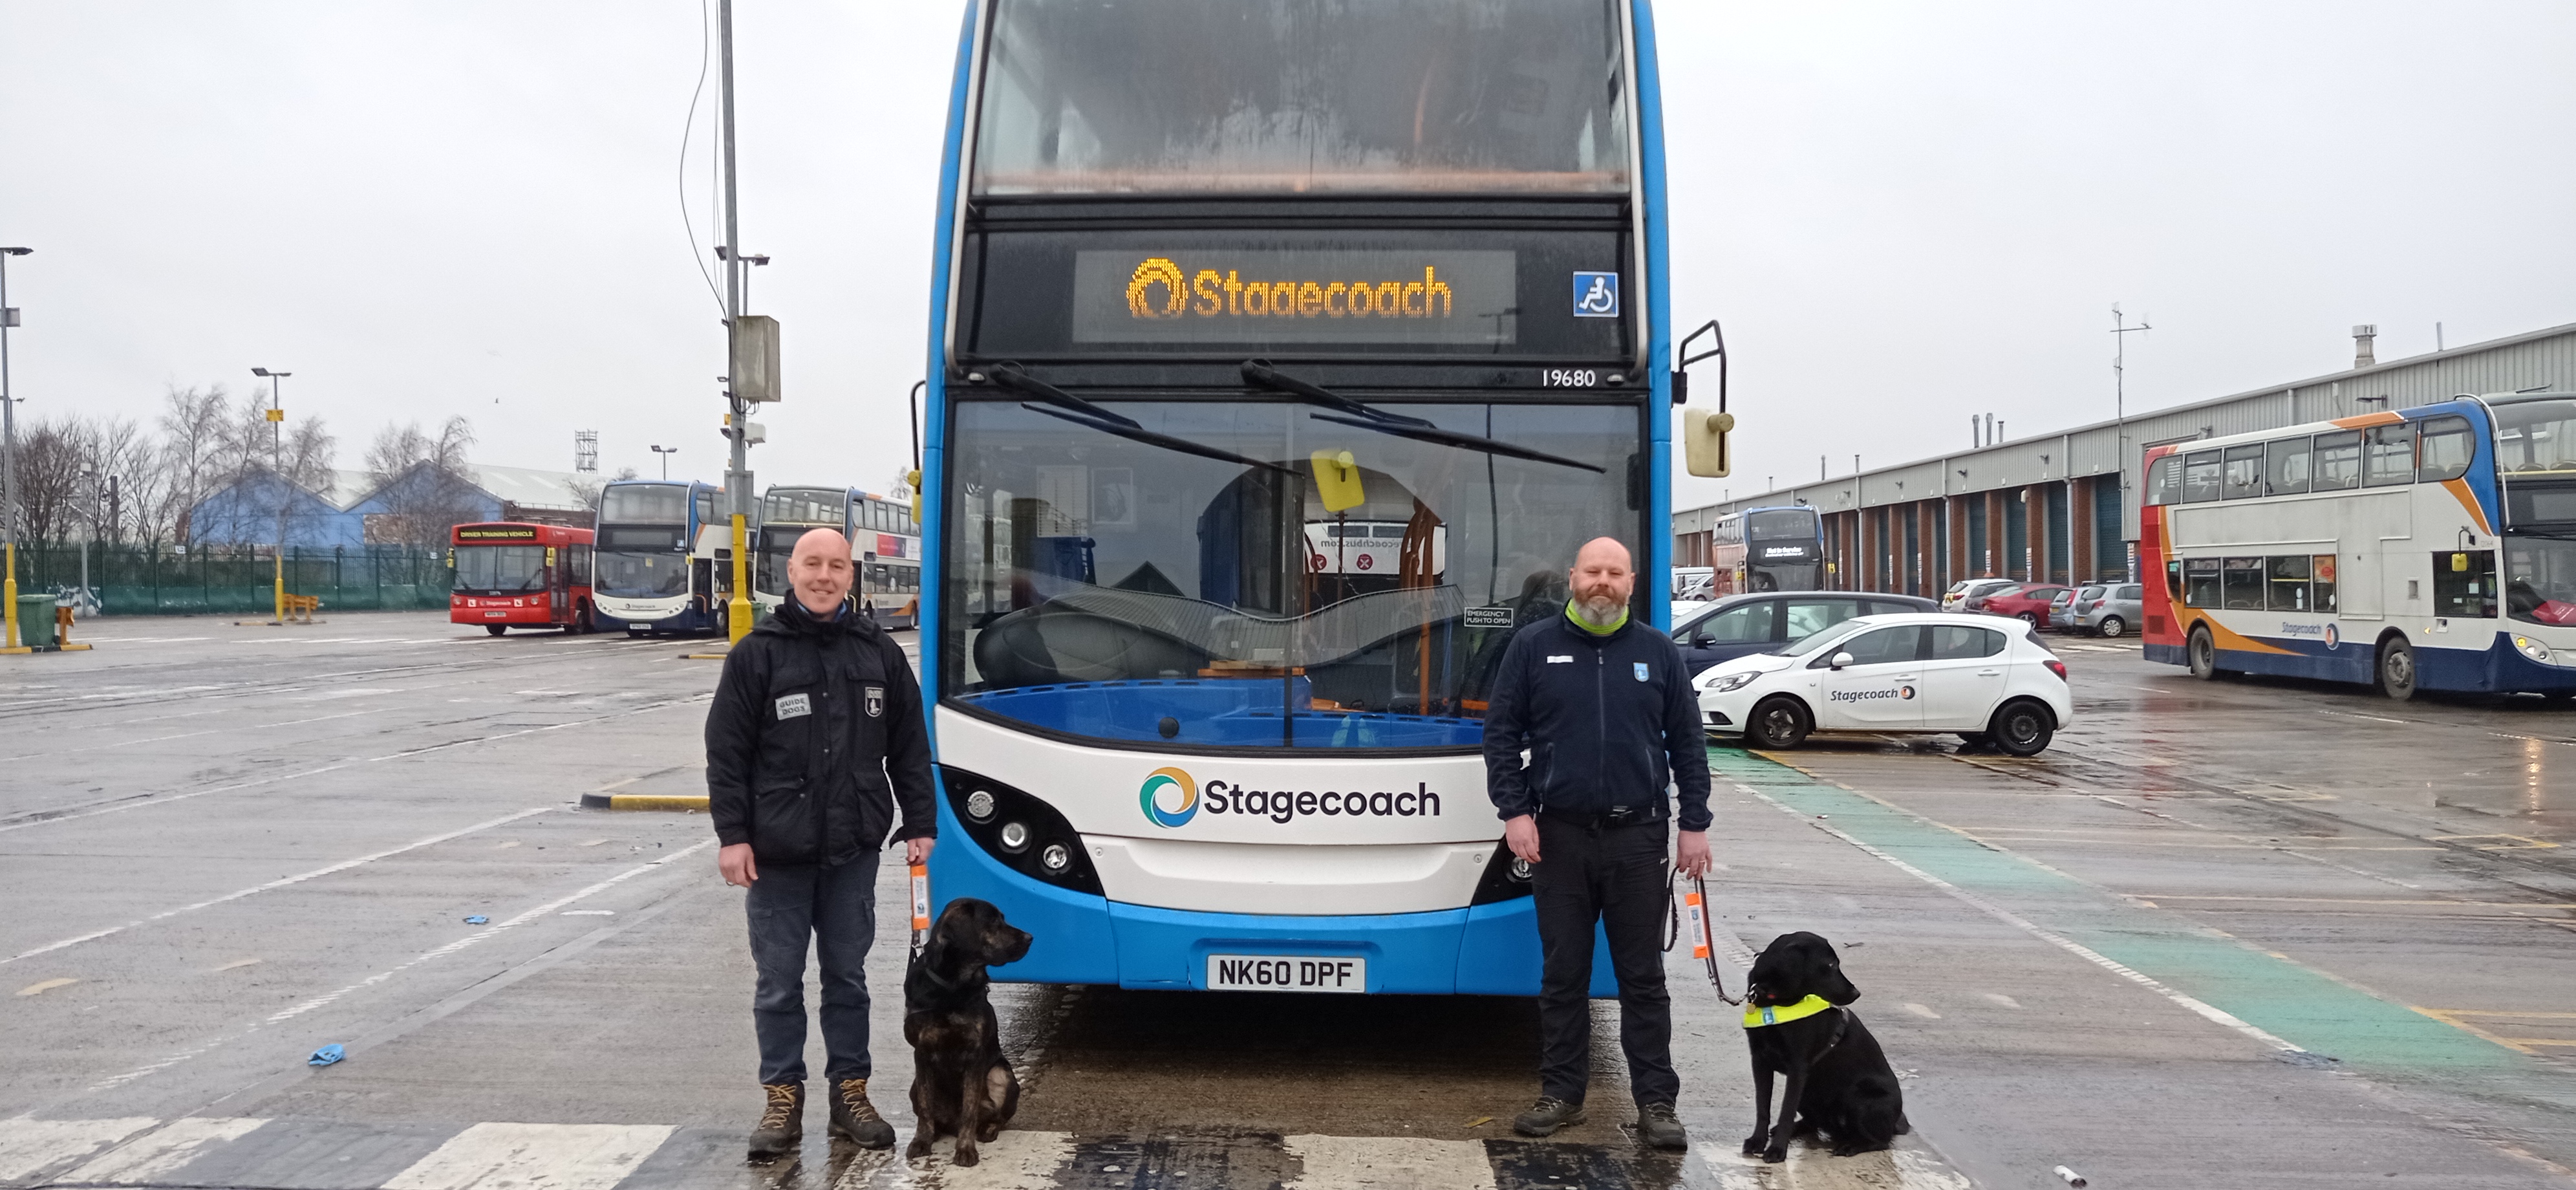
(837, 907)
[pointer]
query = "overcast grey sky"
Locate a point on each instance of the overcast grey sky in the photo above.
(1904, 212)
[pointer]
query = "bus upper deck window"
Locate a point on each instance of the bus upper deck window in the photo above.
(2335, 462)
(2286, 467)
(2243, 475)
(2389, 456)
(2449, 446)
(2200, 476)
(2164, 486)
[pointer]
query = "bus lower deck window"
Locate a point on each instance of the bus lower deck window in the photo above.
(2289, 586)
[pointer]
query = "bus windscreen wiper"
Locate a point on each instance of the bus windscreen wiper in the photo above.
(1367, 417)
(1129, 430)
(1101, 418)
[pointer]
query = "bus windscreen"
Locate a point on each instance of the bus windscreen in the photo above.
(500, 569)
(1109, 96)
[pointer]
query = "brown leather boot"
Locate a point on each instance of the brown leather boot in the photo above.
(782, 1122)
(854, 1119)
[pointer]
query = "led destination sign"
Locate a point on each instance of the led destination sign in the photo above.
(1297, 296)
(509, 534)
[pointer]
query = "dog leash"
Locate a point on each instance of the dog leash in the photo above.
(1703, 940)
(920, 907)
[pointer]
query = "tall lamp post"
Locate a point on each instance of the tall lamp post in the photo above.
(666, 459)
(9, 450)
(277, 471)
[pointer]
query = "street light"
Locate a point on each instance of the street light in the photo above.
(9, 452)
(666, 459)
(277, 471)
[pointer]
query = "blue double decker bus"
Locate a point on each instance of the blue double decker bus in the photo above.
(1282, 355)
(658, 543)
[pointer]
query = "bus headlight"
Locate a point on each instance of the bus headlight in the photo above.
(1018, 831)
(2532, 649)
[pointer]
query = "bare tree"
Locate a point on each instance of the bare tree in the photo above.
(50, 489)
(424, 483)
(588, 491)
(192, 425)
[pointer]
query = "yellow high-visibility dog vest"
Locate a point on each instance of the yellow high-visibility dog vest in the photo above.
(1756, 1016)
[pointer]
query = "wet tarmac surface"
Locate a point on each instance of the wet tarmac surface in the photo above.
(2222, 934)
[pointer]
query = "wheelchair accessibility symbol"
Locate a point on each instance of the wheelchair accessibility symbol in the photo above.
(1596, 295)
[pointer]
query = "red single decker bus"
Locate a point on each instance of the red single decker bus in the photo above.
(515, 574)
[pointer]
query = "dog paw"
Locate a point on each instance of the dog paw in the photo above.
(966, 1156)
(917, 1149)
(1775, 1156)
(1753, 1144)
(986, 1133)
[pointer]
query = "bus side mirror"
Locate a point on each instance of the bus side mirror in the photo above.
(912, 479)
(1704, 446)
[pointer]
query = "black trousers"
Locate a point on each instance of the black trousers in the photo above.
(835, 911)
(1614, 876)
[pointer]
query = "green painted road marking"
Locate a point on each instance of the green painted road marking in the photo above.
(2278, 996)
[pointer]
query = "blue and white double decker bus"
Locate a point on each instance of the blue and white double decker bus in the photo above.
(657, 545)
(1282, 355)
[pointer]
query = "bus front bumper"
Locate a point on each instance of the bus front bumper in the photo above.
(1083, 938)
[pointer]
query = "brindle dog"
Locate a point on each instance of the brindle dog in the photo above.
(961, 1083)
(1838, 1078)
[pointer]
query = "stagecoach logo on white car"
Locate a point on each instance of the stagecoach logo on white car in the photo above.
(1900, 693)
(1170, 797)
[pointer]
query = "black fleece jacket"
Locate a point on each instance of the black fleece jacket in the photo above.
(814, 736)
(1609, 721)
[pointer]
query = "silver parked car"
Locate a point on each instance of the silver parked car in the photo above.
(2106, 609)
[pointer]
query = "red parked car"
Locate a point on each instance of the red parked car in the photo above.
(2029, 605)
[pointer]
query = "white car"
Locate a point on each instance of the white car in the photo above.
(1985, 677)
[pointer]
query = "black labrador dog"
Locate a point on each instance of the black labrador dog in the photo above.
(961, 1083)
(1838, 1079)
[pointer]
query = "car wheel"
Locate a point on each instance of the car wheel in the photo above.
(2202, 653)
(2110, 626)
(1777, 722)
(2397, 669)
(2022, 728)
(496, 629)
(2028, 618)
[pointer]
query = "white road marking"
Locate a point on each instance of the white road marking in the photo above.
(118, 1080)
(534, 1157)
(1015, 1160)
(163, 1152)
(2196, 1006)
(333, 768)
(105, 747)
(30, 1145)
(281, 882)
(1390, 1163)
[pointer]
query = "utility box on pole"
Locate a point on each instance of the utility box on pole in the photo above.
(754, 374)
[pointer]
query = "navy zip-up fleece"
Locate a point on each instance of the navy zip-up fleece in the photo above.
(1609, 720)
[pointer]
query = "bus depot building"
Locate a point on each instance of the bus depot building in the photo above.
(2063, 507)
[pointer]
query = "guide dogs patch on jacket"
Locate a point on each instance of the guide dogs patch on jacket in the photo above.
(792, 705)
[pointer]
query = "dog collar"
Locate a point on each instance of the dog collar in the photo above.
(1756, 1016)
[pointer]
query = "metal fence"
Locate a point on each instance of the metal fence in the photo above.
(144, 580)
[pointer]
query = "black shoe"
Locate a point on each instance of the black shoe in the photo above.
(855, 1120)
(1546, 1116)
(1657, 1126)
(782, 1122)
